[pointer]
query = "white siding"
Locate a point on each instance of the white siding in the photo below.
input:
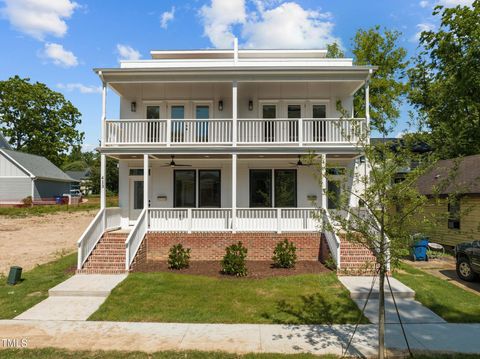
(15, 189)
(9, 168)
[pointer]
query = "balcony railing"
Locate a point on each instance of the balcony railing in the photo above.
(196, 132)
(247, 219)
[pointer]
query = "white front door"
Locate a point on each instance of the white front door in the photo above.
(135, 198)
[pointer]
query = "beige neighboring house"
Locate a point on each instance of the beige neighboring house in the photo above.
(456, 206)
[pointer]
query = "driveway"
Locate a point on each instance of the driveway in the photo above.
(444, 268)
(34, 240)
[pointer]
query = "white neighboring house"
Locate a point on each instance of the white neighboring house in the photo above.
(24, 175)
(209, 143)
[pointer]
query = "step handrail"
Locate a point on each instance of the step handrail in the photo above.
(333, 240)
(90, 238)
(135, 238)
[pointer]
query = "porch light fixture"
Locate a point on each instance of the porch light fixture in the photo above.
(250, 105)
(220, 105)
(133, 106)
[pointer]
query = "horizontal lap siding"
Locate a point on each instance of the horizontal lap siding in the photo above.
(49, 189)
(211, 246)
(15, 189)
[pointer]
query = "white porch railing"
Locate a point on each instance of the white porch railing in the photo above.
(106, 220)
(332, 238)
(173, 132)
(135, 238)
(220, 219)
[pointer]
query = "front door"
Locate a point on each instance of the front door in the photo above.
(136, 199)
(202, 114)
(179, 128)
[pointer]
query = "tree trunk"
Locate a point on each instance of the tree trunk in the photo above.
(381, 313)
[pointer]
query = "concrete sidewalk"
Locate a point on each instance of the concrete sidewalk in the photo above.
(75, 299)
(238, 338)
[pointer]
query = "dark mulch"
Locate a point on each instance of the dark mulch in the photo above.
(256, 269)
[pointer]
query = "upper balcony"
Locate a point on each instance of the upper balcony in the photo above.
(309, 132)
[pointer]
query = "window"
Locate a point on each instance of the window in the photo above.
(138, 172)
(202, 113)
(184, 188)
(454, 213)
(153, 113)
(269, 112)
(319, 127)
(336, 171)
(293, 111)
(138, 195)
(333, 189)
(281, 183)
(177, 113)
(260, 188)
(285, 188)
(209, 188)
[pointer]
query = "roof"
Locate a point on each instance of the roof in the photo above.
(460, 175)
(79, 175)
(38, 166)
(4, 143)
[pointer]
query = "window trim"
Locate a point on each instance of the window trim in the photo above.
(197, 185)
(273, 187)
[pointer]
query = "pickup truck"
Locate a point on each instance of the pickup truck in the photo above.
(468, 260)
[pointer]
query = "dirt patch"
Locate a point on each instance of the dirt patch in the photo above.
(34, 240)
(256, 269)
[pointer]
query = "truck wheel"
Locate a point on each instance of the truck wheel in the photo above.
(464, 270)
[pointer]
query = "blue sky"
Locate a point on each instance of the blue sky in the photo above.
(58, 42)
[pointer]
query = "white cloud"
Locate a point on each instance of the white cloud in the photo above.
(127, 53)
(85, 89)
(289, 26)
(421, 28)
(219, 18)
(424, 4)
(272, 24)
(39, 18)
(58, 55)
(166, 17)
(453, 3)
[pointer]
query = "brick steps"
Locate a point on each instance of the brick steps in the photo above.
(108, 256)
(355, 259)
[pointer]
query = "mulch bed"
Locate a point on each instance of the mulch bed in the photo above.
(256, 269)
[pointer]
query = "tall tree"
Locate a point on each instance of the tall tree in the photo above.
(380, 48)
(111, 174)
(445, 82)
(334, 51)
(38, 120)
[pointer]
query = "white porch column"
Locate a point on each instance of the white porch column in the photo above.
(145, 181)
(234, 192)
(324, 202)
(104, 112)
(103, 181)
(234, 111)
(367, 105)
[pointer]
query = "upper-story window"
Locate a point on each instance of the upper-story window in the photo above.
(319, 128)
(294, 112)
(269, 112)
(153, 112)
(454, 213)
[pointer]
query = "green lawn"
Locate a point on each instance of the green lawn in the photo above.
(452, 303)
(172, 297)
(93, 204)
(34, 287)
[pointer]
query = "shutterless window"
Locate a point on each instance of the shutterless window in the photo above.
(202, 112)
(454, 213)
(293, 112)
(269, 112)
(153, 112)
(319, 127)
(184, 188)
(285, 188)
(177, 113)
(137, 172)
(261, 188)
(209, 188)
(137, 194)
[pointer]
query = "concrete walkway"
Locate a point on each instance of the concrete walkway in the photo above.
(237, 338)
(75, 299)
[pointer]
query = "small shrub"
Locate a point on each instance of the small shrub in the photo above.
(179, 257)
(330, 263)
(284, 255)
(27, 201)
(233, 262)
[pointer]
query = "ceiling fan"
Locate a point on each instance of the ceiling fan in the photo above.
(299, 162)
(173, 164)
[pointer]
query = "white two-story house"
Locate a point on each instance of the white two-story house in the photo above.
(209, 145)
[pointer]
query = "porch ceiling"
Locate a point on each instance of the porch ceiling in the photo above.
(287, 156)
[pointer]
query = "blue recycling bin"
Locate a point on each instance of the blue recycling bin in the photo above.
(58, 200)
(419, 250)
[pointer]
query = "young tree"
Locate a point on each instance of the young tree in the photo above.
(380, 48)
(334, 51)
(38, 120)
(445, 81)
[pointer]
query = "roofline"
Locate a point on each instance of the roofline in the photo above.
(227, 51)
(56, 179)
(17, 163)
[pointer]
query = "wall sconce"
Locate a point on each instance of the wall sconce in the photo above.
(133, 107)
(250, 105)
(220, 105)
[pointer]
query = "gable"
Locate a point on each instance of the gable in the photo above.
(10, 169)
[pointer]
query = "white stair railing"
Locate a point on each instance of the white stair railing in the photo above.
(135, 238)
(333, 240)
(106, 220)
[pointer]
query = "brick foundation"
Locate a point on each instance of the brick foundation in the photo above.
(211, 245)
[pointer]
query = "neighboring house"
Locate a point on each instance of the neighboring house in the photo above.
(24, 175)
(453, 188)
(209, 146)
(84, 180)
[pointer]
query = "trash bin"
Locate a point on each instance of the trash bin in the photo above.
(58, 200)
(15, 275)
(419, 250)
